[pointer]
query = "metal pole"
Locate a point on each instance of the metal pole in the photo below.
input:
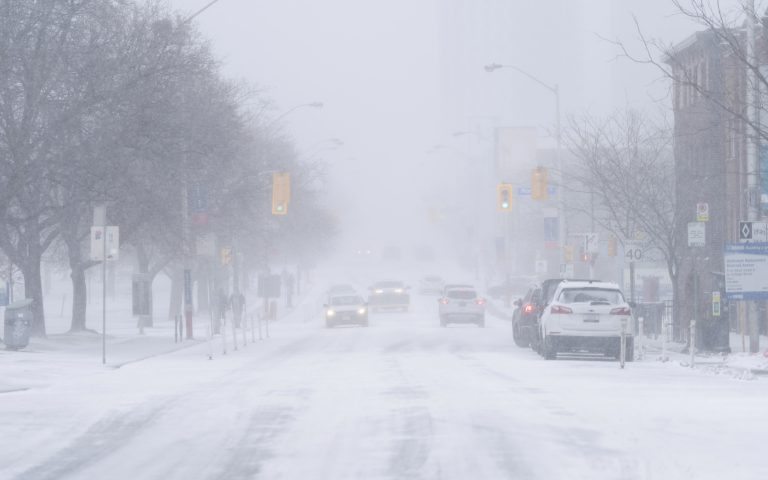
(753, 146)
(104, 293)
(623, 343)
(693, 341)
(562, 223)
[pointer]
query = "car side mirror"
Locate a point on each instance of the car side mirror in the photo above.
(518, 302)
(325, 305)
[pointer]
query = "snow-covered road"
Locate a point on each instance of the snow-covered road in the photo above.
(403, 399)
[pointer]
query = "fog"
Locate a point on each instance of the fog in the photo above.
(398, 78)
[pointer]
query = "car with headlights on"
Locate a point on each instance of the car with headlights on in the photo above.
(461, 305)
(389, 295)
(346, 309)
(586, 316)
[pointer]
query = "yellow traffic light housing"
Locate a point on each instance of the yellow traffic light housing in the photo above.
(539, 186)
(281, 193)
(504, 197)
(568, 253)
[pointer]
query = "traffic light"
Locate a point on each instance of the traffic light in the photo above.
(612, 247)
(539, 187)
(568, 254)
(226, 256)
(281, 193)
(504, 197)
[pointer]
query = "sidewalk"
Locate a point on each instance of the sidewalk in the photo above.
(62, 354)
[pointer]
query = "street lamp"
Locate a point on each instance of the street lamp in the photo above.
(555, 90)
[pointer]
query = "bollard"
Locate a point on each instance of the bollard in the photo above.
(640, 335)
(253, 330)
(224, 334)
(210, 342)
(266, 325)
(664, 327)
(175, 329)
(623, 343)
(693, 341)
(234, 335)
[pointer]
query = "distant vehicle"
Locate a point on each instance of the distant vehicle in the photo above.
(525, 318)
(340, 288)
(461, 305)
(451, 286)
(391, 253)
(389, 295)
(346, 309)
(513, 287)
(431, 285)
(586, 316)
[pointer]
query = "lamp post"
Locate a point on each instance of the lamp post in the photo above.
(555, 90)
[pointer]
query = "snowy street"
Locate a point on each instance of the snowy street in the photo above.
(400, 399)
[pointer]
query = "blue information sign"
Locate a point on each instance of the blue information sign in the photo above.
(746, 271)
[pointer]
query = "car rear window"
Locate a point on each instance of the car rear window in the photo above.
(346, 300)
(589, 295)
(461, 294)
(389, 285)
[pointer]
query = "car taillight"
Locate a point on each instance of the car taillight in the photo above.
(528, 308)
(560, 309)
(621, 311)
(444, 301)
(480, 301)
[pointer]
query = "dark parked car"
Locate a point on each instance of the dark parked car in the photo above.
(525, 319)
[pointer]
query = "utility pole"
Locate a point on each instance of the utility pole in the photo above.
(753, 145)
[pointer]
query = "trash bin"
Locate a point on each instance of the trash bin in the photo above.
(18, 316)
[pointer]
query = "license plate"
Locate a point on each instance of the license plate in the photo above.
(462, 304)
(591, 318)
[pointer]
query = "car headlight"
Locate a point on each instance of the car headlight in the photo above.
(330, 312)
(398, 290)
(361, 311)
(378, 290)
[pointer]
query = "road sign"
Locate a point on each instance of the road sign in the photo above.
(591, 243)
(702, 212)
(697, 234)
(746, 271)
(753, 232)
(98, 243)
(716, 304)
(566, 270)
(633, 252)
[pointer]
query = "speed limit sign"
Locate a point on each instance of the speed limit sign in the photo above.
(633, 252)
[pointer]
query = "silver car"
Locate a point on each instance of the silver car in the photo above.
(461, 305)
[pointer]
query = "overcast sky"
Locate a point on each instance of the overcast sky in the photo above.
(398, 76)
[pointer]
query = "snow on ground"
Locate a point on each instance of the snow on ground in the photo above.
(400, 399)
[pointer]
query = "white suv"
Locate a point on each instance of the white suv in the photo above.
(586, 316)
(461, 305)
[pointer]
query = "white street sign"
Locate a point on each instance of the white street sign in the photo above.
(696, 234)
(633, 252)
(591, 243)
(98, 243)
(753, 232)
(702, 212)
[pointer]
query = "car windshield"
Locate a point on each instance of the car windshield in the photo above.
(461, 294)
(590, 295)
(346, 300)
(391, 284)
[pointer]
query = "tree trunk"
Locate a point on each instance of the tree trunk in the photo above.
(79, 299)
(77, 274)
(177, 288)
(33, 288)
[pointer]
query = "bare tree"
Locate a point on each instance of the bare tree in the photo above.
(625, 176)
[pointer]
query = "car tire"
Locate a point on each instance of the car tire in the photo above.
(518, 338)
(548, 350)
